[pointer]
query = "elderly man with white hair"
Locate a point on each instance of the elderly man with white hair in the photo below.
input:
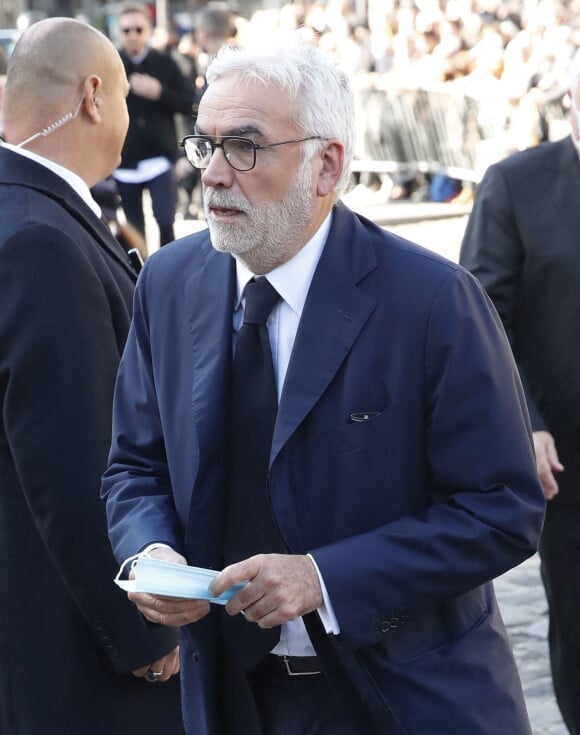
(332, 416)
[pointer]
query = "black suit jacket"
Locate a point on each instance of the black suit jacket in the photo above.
(68, 637)
(523, 243)
(152, 130)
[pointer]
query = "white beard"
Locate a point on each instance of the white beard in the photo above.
(269, 233)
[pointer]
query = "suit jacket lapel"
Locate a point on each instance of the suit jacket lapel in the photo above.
(334, 314)
(211, 330)
(98, 230)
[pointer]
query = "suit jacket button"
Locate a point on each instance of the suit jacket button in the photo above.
(195, 657)
(385, 626)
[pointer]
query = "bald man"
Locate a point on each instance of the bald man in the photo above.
(75, 656)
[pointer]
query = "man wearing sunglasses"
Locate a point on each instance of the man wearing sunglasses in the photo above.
(332, 416)
(158, 90)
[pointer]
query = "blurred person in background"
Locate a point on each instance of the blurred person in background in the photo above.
(521, 242)
(158, 90)
(75, 656)
(213, 26)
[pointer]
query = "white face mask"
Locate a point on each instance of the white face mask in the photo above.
(159, 577)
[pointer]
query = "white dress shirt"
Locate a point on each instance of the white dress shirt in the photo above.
(292, 281)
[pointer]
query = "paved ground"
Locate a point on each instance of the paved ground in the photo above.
(523, 605)
(520, 593)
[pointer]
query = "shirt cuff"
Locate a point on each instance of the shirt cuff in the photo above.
(326, 611)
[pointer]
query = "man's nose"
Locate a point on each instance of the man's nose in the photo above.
(218, 171)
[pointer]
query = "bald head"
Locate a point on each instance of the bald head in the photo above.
(47, 70)
(65, 97)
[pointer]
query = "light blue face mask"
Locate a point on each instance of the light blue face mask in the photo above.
(158, 577)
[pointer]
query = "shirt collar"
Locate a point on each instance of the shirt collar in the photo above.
(72, 179)
(139, 58)
(291, 279)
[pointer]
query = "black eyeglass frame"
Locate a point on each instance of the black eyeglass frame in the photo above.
(225, 138)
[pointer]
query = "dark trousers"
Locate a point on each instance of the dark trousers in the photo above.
(560, 567)
(303, 705)
(163, 192)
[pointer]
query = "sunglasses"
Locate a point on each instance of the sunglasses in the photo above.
(136, 29)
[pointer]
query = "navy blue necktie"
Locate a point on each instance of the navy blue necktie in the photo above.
(250, 527)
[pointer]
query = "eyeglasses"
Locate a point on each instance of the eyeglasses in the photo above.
(137, 29)
(240, 153)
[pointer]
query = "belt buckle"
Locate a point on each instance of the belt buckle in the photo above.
(286, 660)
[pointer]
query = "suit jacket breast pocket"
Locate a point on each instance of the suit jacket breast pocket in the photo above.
(364, 429)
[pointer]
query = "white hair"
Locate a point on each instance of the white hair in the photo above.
(322, 93)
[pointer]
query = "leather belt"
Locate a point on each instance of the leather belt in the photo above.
(296, 665)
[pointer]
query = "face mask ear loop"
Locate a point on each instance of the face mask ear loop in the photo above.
(132, 559)
(135, 558)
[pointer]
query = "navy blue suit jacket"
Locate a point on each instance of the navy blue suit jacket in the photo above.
(408, 514)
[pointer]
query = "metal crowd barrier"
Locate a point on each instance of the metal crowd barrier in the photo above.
(431, 131)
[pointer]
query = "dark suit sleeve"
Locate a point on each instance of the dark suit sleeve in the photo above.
(138, 468)
(58, 358)
(492, 249)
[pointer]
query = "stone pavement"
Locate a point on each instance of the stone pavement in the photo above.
(523, 606)
(520, 592)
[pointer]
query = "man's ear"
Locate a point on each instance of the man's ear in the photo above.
(331, 167)
(93, 101)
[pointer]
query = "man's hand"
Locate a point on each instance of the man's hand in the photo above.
(144, 85)
(166, 667)
(547, 462)
(280, 588)
(171, 611)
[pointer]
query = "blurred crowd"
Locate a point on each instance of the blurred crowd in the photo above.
(512, 57)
